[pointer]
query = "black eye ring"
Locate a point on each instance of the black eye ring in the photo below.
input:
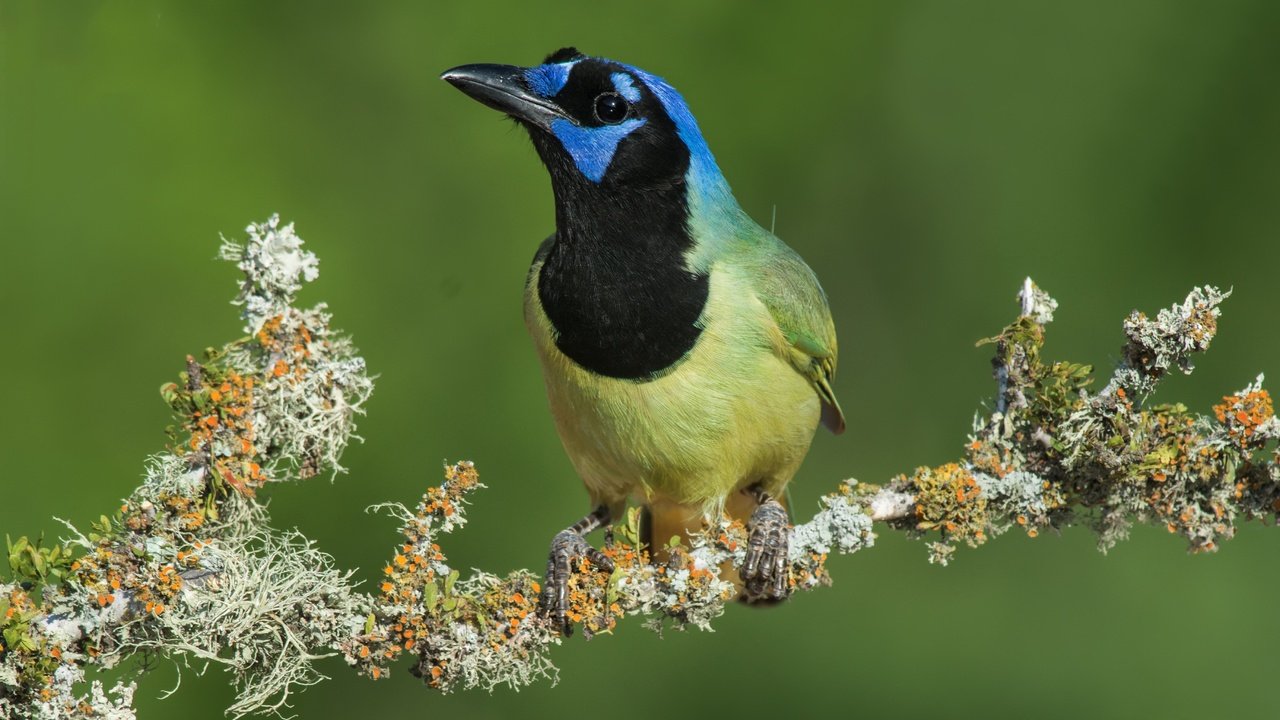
(611, 108)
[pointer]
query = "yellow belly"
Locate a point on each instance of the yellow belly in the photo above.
(733, 412)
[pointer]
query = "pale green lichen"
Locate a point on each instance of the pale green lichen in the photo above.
(262, 607)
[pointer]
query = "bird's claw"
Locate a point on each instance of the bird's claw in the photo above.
(566, 548)
(765, 571)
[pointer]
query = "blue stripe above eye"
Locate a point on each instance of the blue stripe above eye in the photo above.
(547, 80)
(625, 87)
(709, 189)
(592, 148)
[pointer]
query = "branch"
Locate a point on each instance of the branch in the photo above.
(189, 567)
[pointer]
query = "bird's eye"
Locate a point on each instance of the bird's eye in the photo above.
(611, 109)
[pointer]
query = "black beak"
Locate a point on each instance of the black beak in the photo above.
(503, 88)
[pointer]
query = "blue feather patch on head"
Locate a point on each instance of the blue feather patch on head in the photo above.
(627, 89)
(547, 80)
(704, 174)
(592, 148)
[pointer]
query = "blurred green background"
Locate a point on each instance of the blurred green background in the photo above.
(923, 156)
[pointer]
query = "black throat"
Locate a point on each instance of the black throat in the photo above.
(614, 282)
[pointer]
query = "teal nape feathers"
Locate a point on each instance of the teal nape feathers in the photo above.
(688, 353)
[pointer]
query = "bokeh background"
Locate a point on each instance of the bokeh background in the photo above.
(923, 156)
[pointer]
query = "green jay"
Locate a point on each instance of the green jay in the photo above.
(688, 354)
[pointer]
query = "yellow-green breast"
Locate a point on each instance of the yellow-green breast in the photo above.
(732, 412)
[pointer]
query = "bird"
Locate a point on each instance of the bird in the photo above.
(688, 353)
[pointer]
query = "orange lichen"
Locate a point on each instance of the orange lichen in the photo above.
(1244, 413)
(220, 411)
(948, 499)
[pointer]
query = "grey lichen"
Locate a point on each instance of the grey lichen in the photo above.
(843, 523)
(275, 268)
(1169, 341)
(98, 703)
(1015, 493)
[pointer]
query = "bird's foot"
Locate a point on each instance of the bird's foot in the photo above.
(765, 571)
(567, 548)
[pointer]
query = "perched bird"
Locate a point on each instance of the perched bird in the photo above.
(688, 353)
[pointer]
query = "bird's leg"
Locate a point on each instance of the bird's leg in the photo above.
(765, 571)
(567, 546)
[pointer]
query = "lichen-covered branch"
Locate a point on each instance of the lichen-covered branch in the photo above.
(188, 567)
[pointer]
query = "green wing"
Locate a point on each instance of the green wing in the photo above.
(786, 285)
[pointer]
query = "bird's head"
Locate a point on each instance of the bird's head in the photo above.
(600, 125)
